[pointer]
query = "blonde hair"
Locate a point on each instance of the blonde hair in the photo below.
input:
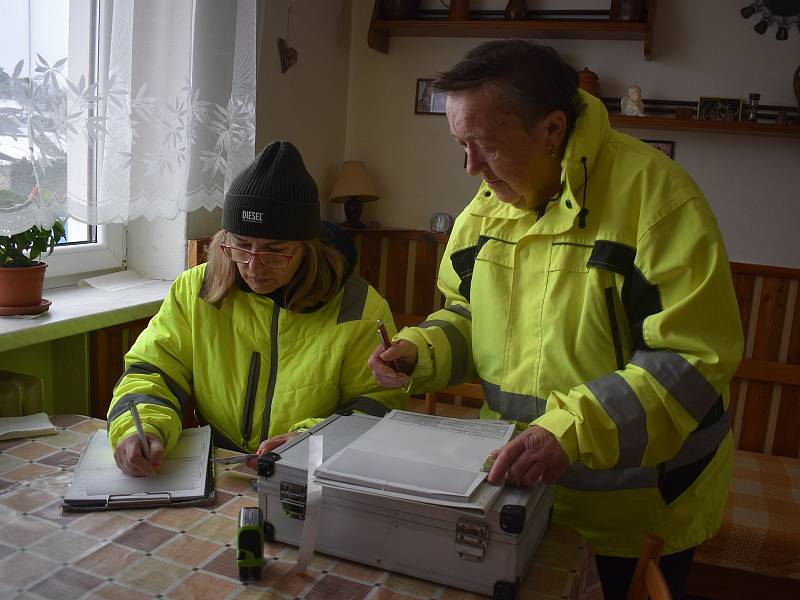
(317, 279)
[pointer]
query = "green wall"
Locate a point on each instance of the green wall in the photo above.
(63, 367)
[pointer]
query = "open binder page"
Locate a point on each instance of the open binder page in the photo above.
(182, 475)
(418, 454)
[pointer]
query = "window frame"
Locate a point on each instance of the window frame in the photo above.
(108, 252)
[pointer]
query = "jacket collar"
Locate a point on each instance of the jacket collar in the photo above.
(590, 132)
(588, 135)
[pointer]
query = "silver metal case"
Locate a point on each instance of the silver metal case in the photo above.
(488, 554)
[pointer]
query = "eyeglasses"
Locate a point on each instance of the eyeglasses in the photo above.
(274, 260)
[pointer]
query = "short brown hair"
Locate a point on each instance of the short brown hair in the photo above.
(532, 78)
(318, 278)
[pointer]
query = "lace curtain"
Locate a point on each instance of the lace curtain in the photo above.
(160, 124)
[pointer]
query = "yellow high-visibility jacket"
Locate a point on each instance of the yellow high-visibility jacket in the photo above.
(253, 368)
(619, 337)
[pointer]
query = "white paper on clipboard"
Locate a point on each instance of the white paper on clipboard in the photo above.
(181, 477)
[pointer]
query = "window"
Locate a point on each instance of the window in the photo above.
(53, 30)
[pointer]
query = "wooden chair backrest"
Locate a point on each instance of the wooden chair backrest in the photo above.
(197, 252)
(471, 395)
(765, 393)
(648, 580)
(402, 264)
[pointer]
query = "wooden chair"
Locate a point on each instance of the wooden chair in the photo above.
(648, 580)
(401, 264)
(471, 391)
(107, 353)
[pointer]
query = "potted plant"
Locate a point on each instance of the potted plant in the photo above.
(21, 271)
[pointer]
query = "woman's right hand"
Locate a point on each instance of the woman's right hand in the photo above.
(393, 366)
(130, 459)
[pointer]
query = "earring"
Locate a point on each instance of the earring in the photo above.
(551, 153)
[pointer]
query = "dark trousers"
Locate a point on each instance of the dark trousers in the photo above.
(616, 573)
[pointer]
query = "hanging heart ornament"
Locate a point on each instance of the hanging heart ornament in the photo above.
(288, 55)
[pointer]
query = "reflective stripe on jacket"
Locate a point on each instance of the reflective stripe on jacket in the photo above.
(254, 369)
(619, 337)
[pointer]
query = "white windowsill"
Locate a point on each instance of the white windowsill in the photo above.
(77, 310)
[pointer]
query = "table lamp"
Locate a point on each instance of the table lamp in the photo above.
(354, 186)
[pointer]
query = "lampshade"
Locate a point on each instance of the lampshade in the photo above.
(354, 182)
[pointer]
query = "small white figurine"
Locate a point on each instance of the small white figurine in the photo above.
(632, 104)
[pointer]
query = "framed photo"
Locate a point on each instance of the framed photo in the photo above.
(666, 146)
(719, 109)
(428, 100)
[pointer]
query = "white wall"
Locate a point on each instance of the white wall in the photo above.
(157, 248)
(306, 105)
(700, 49)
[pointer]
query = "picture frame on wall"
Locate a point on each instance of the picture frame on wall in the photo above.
(666, 146)
(719, 109)
(429, 101)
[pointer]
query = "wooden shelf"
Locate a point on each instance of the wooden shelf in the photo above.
(731, 127)
(380, 30)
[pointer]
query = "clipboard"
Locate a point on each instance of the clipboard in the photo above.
(186, 477)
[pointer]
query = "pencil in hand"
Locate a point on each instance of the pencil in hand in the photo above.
(140, 433)
(384, 336)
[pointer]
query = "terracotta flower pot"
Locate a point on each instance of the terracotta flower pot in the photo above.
(21, 286)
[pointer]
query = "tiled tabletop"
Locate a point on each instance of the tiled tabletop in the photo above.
(184, 553)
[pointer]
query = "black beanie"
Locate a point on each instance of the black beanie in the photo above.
(274, 197)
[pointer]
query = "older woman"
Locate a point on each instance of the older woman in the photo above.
(268, 338)
(588, 288)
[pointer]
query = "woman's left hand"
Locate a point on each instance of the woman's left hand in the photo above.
(269, 445)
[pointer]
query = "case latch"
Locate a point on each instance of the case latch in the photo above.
(266, 463)
(471, 540)
(293, 499)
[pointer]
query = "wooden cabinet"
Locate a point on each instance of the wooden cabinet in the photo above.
(594, 27)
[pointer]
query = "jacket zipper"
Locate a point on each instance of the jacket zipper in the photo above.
(273, 373)
(250, 397)
(612, 320)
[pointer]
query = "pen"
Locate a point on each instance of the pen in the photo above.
(382, 333)
(139, 431)
(232, 460)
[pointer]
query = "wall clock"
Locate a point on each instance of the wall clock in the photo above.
(785, 13)
(441, 222)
